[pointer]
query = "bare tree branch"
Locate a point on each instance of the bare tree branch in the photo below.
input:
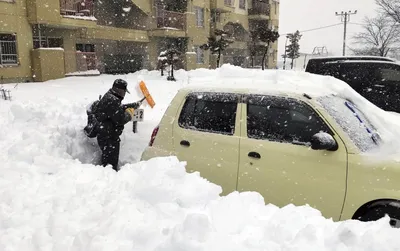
(390, 8)
(379, 37)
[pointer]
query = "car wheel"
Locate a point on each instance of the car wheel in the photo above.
(379, 212)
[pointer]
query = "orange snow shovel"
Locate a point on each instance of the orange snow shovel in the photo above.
(138, 117)
(146, 94)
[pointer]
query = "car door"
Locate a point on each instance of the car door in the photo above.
(386, 78)
(277, 161)
(206, 136)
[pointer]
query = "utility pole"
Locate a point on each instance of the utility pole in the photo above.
(345, 16)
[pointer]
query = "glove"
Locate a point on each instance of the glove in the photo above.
(131, 112)
(137, 105)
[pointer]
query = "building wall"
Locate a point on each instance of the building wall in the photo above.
(138, 23)
(197, 35)
(13, 20)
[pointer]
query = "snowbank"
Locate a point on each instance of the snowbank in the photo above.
(52, 197)
(84, 73)
(158, 206)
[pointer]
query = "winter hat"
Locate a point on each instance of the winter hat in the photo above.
(121, 84)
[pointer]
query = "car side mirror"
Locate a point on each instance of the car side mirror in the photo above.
(323, 141)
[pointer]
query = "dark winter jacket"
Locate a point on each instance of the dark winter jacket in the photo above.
(111, 116)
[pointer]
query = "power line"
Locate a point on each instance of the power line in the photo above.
(314, 29)
(355, 23)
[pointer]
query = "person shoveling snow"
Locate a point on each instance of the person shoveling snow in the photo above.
(106, 121)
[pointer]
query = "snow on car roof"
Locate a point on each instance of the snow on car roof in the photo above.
(350, 57)
(363, 61)
(238, 80)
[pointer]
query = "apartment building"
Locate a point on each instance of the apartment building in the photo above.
(48, 39)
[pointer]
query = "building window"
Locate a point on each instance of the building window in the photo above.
(199, 16)
(200, 55)
(47, 42)
(8, 49)
(242, 4)
(85, 47)
(229, 3)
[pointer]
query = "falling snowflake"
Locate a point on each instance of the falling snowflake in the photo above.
(127, 9)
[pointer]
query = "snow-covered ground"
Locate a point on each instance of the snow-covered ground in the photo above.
(52, 197)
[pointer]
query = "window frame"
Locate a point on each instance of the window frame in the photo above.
(199, 10)
(324, 124)
(233, 97)
(242, 4)
(84, 46)
(16, 50)
(201, 56)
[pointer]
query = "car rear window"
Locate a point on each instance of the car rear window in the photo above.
(209, 112)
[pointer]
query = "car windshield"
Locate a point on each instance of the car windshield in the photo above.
(358, 128)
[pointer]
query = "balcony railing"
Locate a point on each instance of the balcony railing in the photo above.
(170, 19)
(259, 8)
(86, 61)
(83, 8)
(229, 3)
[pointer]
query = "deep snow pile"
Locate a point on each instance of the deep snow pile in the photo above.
(53, 198)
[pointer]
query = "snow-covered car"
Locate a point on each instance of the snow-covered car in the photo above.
(375, 78)
(292, 148)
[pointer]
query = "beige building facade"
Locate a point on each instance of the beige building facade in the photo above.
(48, 39)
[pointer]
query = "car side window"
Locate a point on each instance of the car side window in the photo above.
(386, 72)
(282, 120)
(209, 112)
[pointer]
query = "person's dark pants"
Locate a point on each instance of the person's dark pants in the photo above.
(110, 151)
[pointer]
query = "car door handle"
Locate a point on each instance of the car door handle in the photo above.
(254, 155)
(185, 143)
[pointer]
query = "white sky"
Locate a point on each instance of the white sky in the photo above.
(309, 14)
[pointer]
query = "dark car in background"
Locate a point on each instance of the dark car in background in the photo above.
(375, 78)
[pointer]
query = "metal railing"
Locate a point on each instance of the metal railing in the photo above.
(83, 8)
(170, 19)
(86, 61)
(229, 2)
(259, 8)
(8, 53)
(5, 94)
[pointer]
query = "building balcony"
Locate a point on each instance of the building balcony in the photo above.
(259, 10)
(229, 3)
(170, 20)
(144, 5)
(78, 8)
(169, 24)
(61, 13)
(223, 6)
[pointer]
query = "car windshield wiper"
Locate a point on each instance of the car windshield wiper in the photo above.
(374, 136)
